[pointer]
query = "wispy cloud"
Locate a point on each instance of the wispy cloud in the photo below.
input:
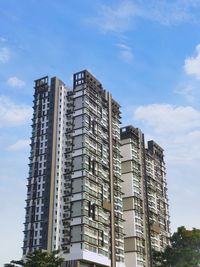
(125, 52)
(120, 17)
(19, 145)
(4, 55)
(12, 114)
(15, 82)
(115, 18)
(2, 40)
(189, 89)
(169, 12)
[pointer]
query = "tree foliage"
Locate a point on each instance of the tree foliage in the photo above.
(183, 252)
(38, 258)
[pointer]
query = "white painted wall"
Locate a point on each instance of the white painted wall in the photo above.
(127, 185)
(129, 224)
(131, 259)
(126, 152)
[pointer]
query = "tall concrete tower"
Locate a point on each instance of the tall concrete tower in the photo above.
(74, 190)
(146, 215)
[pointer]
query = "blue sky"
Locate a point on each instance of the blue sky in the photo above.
(147, 53)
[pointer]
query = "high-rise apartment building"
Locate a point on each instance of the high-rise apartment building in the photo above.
(74, 191)
(145, 202)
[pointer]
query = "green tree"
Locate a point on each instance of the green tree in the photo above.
(183, 252)
(38, 258)
(157, 258)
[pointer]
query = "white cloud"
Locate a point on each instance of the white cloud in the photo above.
(192, 64)
(167, 118)
(169, 12)
(12, 114)
(125, 52)
(15, 82)
(188, 89)
(119, 17)
(177, 130)
(190, 84)
(19, 145)
(4, 55)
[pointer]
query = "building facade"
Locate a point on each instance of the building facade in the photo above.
(74, 191)
(145, 202)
